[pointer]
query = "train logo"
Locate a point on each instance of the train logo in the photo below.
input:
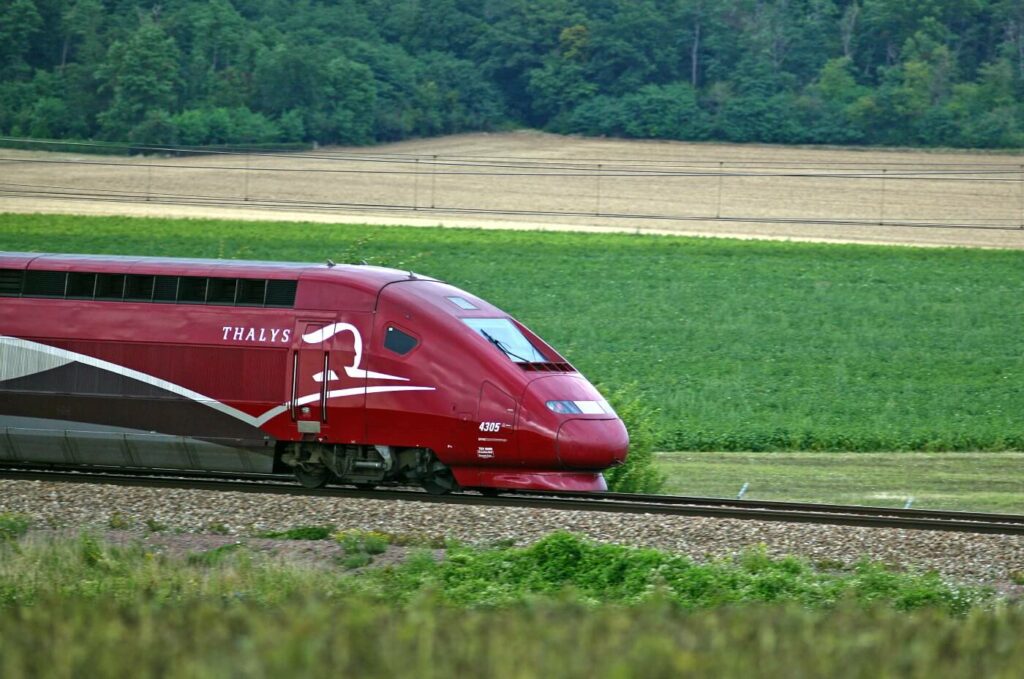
(353, 371)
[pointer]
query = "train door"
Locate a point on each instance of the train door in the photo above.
(495, 431)
(310, 378)
(328, 384)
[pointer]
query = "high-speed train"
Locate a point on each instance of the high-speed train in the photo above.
(339, 374)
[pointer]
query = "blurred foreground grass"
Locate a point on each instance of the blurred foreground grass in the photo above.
(76, 607)
(313, 637)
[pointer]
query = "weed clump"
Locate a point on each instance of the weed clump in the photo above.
(13, 526)
(215, 556)
(300, 533)
(361, 546)
(119, 521)
(594, 573)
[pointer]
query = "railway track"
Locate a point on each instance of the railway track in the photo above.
(791, 512)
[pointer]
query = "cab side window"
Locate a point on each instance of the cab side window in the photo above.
(399, 342)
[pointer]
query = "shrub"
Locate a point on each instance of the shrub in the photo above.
(639, 474)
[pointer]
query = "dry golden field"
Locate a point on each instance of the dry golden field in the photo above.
(537, 180)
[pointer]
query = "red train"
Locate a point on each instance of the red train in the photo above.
(345, 374)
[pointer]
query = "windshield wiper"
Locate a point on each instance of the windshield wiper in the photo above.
(501, 345)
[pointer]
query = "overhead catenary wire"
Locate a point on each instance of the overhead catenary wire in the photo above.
(1012, 164)
(1011, 175)
(281, 204)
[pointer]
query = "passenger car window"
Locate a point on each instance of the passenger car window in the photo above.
(81, 285)
(192, 289)
(221, 290)
(139, 288)
(110, 286)
(399, 342)
(46, 283)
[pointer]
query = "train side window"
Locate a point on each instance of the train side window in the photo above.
(81, 285)
(221, 291)
(251, 292)
(192, 289)
(110, 285)
(281, 293)
(165, 288)
(139, 288)
(399, 342)
(45, 283)
(10, 282)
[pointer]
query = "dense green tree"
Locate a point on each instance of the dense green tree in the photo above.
(828, 110)
(347, 117)
(516, 39)
(664, 112)
(558, 86)
(924, 72)
(19, 24)
(197, 127)
(141, 74)
(82, 33)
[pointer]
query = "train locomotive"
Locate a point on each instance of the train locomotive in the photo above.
(344, 374)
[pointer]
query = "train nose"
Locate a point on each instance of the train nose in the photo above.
(591, 444)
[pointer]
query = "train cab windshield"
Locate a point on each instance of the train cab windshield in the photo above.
(503, 334)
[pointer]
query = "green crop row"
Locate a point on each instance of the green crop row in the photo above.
(730, 345)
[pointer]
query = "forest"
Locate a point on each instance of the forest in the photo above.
(197, 72)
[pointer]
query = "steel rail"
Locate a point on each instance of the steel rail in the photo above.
(866, 510)
(602, 502)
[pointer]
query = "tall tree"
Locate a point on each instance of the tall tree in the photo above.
(19, 24)
(141, 74)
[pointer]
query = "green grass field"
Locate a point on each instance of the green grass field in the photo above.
(740, 345)
(981, 482)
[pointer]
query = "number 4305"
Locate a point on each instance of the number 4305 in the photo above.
(490, 426)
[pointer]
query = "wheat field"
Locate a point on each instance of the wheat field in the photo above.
(536, 180)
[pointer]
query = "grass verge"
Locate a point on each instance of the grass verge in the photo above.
(982, 482)
(560, 566)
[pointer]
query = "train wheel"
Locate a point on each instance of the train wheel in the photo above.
(313, 475)
(439, 482)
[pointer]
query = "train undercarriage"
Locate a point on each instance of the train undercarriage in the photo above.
(317, 464)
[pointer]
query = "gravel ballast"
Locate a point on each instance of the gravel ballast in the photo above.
(974, 558)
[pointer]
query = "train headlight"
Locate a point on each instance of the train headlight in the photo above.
(580, 407)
